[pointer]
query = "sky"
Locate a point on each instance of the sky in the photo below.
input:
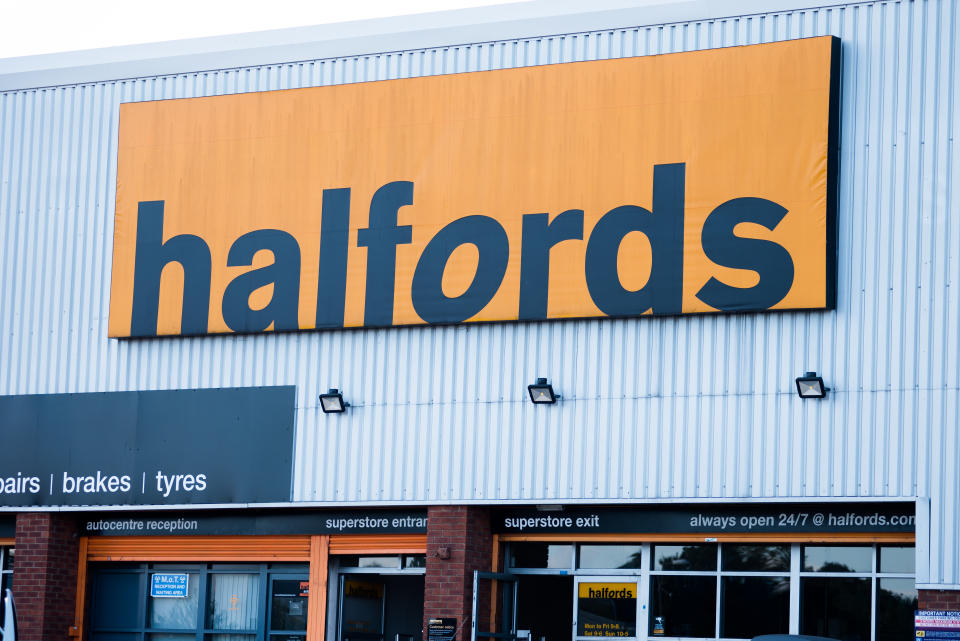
(30, 27)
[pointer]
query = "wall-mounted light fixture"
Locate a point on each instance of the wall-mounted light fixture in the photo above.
(811, 386)
(332, 402)
(541, 392)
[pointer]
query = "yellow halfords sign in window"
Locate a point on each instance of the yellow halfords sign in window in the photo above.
(676, 184)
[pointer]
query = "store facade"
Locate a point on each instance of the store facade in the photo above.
(529, 323)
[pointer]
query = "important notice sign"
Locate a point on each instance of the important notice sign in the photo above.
(937, 624)
(147, 448)
(693, 182)
(743, 517)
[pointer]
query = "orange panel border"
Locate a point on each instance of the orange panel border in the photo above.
(378, 544)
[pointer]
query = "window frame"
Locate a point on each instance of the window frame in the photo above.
(264, 572)
(644, 574)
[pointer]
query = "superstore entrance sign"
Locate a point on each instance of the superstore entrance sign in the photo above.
(676, 184)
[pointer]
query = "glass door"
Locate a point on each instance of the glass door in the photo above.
(606, 607)
(289, 594)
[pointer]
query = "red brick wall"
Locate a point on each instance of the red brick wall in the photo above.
(45, 575)
(465, 533)
(937, 599)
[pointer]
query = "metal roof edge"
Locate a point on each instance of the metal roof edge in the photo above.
(447, 28)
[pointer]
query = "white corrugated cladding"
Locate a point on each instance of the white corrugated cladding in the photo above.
(688, 407)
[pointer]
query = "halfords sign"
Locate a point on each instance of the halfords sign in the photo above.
(684, 183)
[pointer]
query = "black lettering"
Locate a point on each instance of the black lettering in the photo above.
(334, 238)
(538, 238)
(381, 239)
(283, 273)
(663, 292)
(771, 261)
(491, 241)
(152, 255)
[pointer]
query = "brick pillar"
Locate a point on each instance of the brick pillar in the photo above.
(939, 600)
(45, 575)
(463, 535)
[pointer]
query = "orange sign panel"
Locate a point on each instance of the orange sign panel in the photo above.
(675, 184)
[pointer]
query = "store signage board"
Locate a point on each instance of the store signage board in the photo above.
(170, 585)
(617, 602)
(172, 447)
(254, 522)
(937, 624)
(695, 182)
(712, 518)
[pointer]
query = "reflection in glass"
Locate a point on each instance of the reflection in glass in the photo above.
(685, 557)
(610, 556)
(835, 607)
(288, 604)
(686, 605)
(231, 637)
(542, 555)
(754, 605)
(170, 637)
(837, 558)
(174, 613)
(415, 561)
(8, 557)
(756, 558)
(896, 603)
(233, 601)
(353, 561)
(607, 610)
(897, 559)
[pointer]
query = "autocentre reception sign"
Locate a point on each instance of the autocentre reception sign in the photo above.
(675, 184)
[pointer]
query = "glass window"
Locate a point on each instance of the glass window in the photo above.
(897, 559)
(684, 606)
(685, 557)
(838, 608)
(176, 613)
(117, 597)
(351, 561)
(610, 556)
(896, 603)
(607, 609)
(838, 558)
(415, 561)
(756, 558)
(361, 606)
(288, 604)
(541, 555)
(8, 556)
(232, 601)
(754, 605)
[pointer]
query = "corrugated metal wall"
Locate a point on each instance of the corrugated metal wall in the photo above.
(652, 408)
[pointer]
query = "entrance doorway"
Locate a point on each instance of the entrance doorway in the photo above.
(378, 598)
(544, 609)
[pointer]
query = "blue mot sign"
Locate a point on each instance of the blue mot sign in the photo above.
(170, 585)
